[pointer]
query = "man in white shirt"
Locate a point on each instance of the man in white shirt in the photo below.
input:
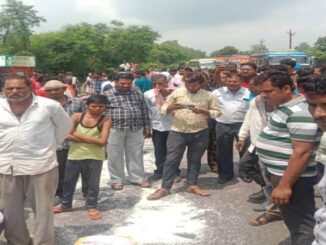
(161, 124)
(234, 101)
(30, 129)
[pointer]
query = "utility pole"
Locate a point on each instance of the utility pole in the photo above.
(291, 34)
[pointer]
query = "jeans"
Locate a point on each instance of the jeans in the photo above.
(298, 214)
(249, 168)
(177, 142)
(225, 135)
(160, 149)
(93, 169)
(62, 156)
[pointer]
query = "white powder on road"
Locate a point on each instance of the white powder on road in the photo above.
(172, 220)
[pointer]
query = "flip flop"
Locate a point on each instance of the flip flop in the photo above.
(265, 218)
(59, 209)
(94, 214)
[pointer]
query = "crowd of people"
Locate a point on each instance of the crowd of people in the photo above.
(275, 116)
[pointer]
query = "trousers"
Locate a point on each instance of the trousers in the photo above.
(39, 190)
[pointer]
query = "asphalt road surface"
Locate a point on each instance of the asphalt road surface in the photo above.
(180, 218)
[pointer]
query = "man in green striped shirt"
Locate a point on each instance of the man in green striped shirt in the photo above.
(286, 147)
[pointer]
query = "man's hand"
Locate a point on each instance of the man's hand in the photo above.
(281, 195)
(239, 145)
(173, 107)
(147, 133)
(200, 111)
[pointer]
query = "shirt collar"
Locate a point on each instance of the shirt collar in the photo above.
(294, 101)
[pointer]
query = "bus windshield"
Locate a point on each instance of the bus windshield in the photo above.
(300, 59)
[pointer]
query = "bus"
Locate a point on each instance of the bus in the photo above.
(207, 63)
(274, 58)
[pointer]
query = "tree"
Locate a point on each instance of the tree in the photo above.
(319, 50)
(131, 43)
(303, 47)
(78, 48)
(172, 54)
(16, 26)
(320, 44)
(258, 48)
(227, 50)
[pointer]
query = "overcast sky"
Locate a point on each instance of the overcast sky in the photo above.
(207, 25)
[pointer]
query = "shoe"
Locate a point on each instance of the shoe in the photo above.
(59, 209)
(266, 218)
(94, 214)
(143, 184)
(158, 194)
(246, 179)
(154, 177)
(177, 179)
(260, 208)
(258, 197)
(117, 186)
(257, 194)
(195, 189)
(223, 180)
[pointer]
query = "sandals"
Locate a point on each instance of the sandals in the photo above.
(117, 186)
(196, 189)
(143, 184)
(158, 194)
(266, 218)
(59, 209)
(94, 214)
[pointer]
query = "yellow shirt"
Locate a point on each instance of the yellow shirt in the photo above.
(184, 120)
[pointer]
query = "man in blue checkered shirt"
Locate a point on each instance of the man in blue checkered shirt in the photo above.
(130, 124)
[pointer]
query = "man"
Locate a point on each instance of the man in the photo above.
(247, 72)
(286, 147)
(190, 108)
(234, 100)
(56, 91)
(130, 124)
(177, 77)
(142, 82)
(290, 64)
(315, 93)
(161, 124)
(30, 127)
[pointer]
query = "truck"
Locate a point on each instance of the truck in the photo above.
(17, 64)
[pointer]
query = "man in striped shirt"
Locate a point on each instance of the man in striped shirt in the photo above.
(286, 147)
(315, 93)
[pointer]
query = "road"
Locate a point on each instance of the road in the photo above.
(180, 218)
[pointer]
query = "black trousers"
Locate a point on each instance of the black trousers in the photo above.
(62, 156)
(225, 135)
(298, 214)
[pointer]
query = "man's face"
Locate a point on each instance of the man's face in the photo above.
(274, 95)
(96, 108)
(123, 85)
(193, 87)
(56, 93)
(233, 83)
(247, 72)
(317, 108)
(160, 83)
(182, 72)
(16, 90)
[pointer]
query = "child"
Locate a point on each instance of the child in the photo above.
(88, 138)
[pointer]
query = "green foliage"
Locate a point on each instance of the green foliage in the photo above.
(258, 48)
(303, 47)
(172, 54)
(319, 50)
(16, 26)
(227, 50)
